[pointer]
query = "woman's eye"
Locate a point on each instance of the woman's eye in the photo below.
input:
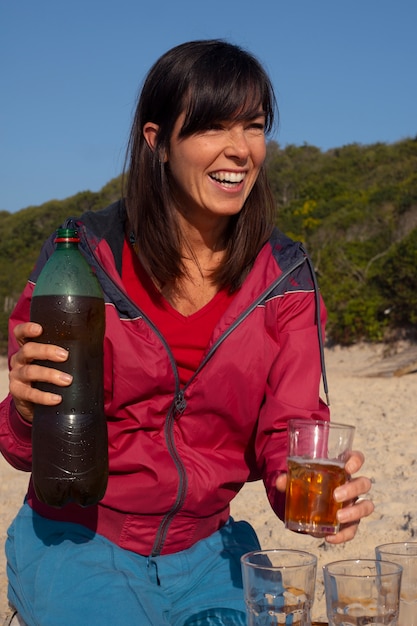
(257, 126)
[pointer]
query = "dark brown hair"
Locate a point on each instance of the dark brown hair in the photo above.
(209, 81)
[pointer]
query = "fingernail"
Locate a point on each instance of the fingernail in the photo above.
(342, 516)
(61, 353)
(66, 378)
(339, 494)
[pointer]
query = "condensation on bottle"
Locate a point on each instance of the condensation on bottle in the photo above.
(69, 440)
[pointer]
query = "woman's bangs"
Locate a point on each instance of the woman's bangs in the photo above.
(227, 100)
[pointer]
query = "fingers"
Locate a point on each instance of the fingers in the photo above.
(25, 372)
(21, 378)
(355, 512)
(33, 351)
(25, 395)
(346, 533)
(355, 462)
(281, 483)
(27, 330)
(350, 518)
(352, 489)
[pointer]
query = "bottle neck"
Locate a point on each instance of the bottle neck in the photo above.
(66, 238)
(66, 244)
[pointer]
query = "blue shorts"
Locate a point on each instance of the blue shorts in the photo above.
(63, 573)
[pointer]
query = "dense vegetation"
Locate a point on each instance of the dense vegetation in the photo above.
(354, 207)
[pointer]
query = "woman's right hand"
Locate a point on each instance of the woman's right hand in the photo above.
(23, 372)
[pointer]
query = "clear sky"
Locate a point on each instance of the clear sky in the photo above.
(344, 71)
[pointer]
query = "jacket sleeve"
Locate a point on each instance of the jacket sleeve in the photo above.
(293, 387)
(15, 432)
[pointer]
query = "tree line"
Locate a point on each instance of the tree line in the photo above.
(353, 207)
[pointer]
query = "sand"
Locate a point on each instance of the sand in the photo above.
(363, 392)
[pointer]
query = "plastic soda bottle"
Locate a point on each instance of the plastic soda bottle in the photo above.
(69, 440)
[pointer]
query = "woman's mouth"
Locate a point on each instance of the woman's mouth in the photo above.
(228, 179)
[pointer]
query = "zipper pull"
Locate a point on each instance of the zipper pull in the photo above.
(180, 403)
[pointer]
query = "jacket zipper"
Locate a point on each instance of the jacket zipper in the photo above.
(182, 486)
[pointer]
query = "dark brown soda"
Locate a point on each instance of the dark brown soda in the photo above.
(69, 440)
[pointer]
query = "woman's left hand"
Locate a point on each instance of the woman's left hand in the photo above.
(355, 507)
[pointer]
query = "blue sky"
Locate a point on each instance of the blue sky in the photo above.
(70, 71)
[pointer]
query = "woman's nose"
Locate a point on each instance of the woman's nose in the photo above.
(237, 145)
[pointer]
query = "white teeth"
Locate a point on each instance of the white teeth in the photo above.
(228, 177)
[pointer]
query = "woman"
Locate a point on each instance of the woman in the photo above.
(212, 344)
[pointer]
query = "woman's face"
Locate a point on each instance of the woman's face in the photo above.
(214, 170)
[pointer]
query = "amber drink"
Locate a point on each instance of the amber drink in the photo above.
(317, 452)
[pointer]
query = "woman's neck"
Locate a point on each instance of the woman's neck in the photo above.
(203, 243)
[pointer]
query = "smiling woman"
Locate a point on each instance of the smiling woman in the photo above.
(213, 341)
(199, 138)
(203, 114)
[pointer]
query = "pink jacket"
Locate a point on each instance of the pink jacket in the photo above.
(179, 455)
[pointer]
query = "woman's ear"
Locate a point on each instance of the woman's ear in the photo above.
(150, 132)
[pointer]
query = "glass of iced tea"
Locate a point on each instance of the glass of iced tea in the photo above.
(317, 453)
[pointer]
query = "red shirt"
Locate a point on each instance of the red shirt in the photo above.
(187, 336)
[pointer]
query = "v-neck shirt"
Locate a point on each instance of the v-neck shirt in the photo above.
(187, 335)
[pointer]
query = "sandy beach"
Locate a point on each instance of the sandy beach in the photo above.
(363, 391)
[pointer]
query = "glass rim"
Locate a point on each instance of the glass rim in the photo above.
(393, 548)
(307, 422)
(310, 559)
(396, 568)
